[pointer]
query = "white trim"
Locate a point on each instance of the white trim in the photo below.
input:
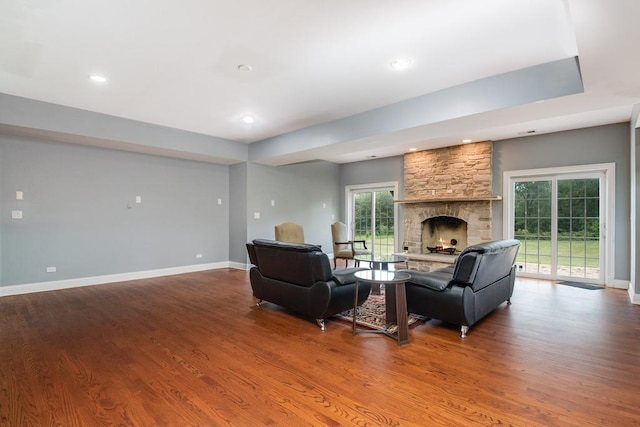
(618, 284)
(609, 172)
(112, 278)
(238, 265)
(633, 199)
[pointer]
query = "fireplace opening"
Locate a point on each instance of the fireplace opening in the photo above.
(444, 234)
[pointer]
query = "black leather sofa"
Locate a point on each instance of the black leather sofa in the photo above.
(480, 280)
(298, 276)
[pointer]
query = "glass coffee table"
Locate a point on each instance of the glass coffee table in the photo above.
(395, 298)
(381, 262)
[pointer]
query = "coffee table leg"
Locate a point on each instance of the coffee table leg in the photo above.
(390, 304)
(401, 314)
(375, 288)
(355, 306)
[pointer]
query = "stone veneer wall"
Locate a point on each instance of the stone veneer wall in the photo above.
(459, 171)
(453, 172)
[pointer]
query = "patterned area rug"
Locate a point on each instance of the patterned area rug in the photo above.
(371, 314)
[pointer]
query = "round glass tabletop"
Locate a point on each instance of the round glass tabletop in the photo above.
(382, 276)
(381, 258)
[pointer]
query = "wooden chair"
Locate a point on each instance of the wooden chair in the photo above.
(343, 247)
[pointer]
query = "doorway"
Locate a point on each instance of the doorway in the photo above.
(372, 216)
(561, 217)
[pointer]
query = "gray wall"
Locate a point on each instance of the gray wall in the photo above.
(238, 207)
(387, 169)
(80, 213)
(76, 214)
(602, 144)
(304, 193)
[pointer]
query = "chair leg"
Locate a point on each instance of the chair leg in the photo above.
(320, 323)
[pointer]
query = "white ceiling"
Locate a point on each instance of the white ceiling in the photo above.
(174, 63)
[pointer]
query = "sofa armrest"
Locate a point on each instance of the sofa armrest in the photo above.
(346, 276)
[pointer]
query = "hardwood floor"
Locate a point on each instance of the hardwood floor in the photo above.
(191, 350)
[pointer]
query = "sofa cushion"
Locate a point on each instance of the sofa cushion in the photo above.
(438, 279)
(481, 265)
(286, 246)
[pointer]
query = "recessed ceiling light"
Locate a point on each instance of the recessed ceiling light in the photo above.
(401, 63)
(466, 141)
(98, 78)
(244, 68)
(248, 119)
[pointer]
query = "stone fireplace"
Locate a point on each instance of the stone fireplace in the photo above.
(448, 200)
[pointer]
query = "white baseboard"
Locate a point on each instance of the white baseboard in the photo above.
(239, 265)
(112, 278)
(618, 284)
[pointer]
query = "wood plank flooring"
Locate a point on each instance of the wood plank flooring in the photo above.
(190, 350)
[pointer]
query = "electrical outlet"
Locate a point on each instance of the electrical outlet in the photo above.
(16, 214)
(51, 269)
(198, 255)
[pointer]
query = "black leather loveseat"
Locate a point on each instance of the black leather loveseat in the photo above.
(298, 276)
(480, 280)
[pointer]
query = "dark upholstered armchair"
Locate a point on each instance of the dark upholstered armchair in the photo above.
(343, 247)
(299, 277)
(481, 279)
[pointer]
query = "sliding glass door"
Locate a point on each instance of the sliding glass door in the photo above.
(579, 228)
(372, 217)
(560, 221)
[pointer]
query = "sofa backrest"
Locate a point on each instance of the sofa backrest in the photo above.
(481, 265)
(298, 263)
